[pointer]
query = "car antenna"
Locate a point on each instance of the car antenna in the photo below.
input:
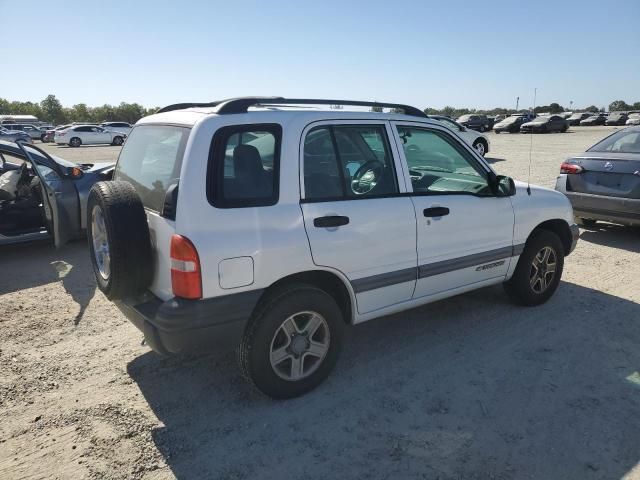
(535, 92)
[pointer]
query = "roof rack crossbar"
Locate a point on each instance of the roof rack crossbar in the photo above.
(182, 106)
(240, 105)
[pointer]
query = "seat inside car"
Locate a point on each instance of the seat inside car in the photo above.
(249, 173)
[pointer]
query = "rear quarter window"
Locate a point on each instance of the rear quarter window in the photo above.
(151, 160)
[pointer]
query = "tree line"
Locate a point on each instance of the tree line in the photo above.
(51, 110)
(616, 106)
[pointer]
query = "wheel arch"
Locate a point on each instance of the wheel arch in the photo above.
(325, 280)
(561, 228)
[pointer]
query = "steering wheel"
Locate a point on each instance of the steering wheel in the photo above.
(367, 177)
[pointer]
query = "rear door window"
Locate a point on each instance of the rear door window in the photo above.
(151, 160)
(244, 166)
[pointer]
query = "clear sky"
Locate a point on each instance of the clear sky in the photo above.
(427, 53)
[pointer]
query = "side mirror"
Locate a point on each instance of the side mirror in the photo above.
(505, 186)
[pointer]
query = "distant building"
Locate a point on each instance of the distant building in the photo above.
(19, 119)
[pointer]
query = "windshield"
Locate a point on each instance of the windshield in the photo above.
(623, 141)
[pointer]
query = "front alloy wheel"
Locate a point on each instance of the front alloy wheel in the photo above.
(480, 148)
(543, 270)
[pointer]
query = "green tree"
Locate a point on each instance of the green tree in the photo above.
(591, 108)
(556, 108)
(52, 110)
(619, 105)
(79, 113)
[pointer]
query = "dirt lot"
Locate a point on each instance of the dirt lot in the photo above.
(467, 388)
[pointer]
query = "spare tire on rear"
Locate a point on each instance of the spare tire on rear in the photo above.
(119, 240)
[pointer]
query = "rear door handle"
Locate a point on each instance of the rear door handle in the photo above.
(435, 212)
(330, 221)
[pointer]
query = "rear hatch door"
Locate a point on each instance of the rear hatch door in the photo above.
(151, 160)
(610, 174)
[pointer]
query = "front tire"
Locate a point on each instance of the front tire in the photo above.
(539, 270)
(292, 342)
(117, 141)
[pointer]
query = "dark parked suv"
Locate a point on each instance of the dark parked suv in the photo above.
(480, 123)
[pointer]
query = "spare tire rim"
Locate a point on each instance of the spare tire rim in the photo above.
(100, 242)
(299, 345)
(543, 270)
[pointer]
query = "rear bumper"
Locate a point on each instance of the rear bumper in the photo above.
(625, 211)
(184, 326)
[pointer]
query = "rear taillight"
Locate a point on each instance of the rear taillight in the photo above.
(186, 280)
(570, 168)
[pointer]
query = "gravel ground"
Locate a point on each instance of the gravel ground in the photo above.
(467, 388)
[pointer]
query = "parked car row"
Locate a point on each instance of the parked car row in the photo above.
(73, 134)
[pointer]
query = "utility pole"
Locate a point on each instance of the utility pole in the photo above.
(517, 102)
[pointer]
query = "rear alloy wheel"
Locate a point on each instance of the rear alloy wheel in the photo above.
(75, 142)
(117, 141)
(292, 341)
(539, 269)
(480, 147)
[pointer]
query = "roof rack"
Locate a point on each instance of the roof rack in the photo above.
(182, 106)
(242, 104)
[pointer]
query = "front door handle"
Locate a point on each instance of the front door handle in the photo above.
(435, 212)
(330, 221)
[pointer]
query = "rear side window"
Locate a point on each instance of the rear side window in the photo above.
(151, 161)
(244, 166)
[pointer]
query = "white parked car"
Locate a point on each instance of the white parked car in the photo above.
(476, 139)
(87, 135)
(236, 224)
(634, 119)
(120, 127)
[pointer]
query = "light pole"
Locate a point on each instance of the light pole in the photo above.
(517, 102)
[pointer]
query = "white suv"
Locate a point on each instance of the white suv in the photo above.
(251, 223)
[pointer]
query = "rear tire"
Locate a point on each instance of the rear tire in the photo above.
(117, 141)
(119, 240)
(276, 355)
(533, 283)
(75, 142)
